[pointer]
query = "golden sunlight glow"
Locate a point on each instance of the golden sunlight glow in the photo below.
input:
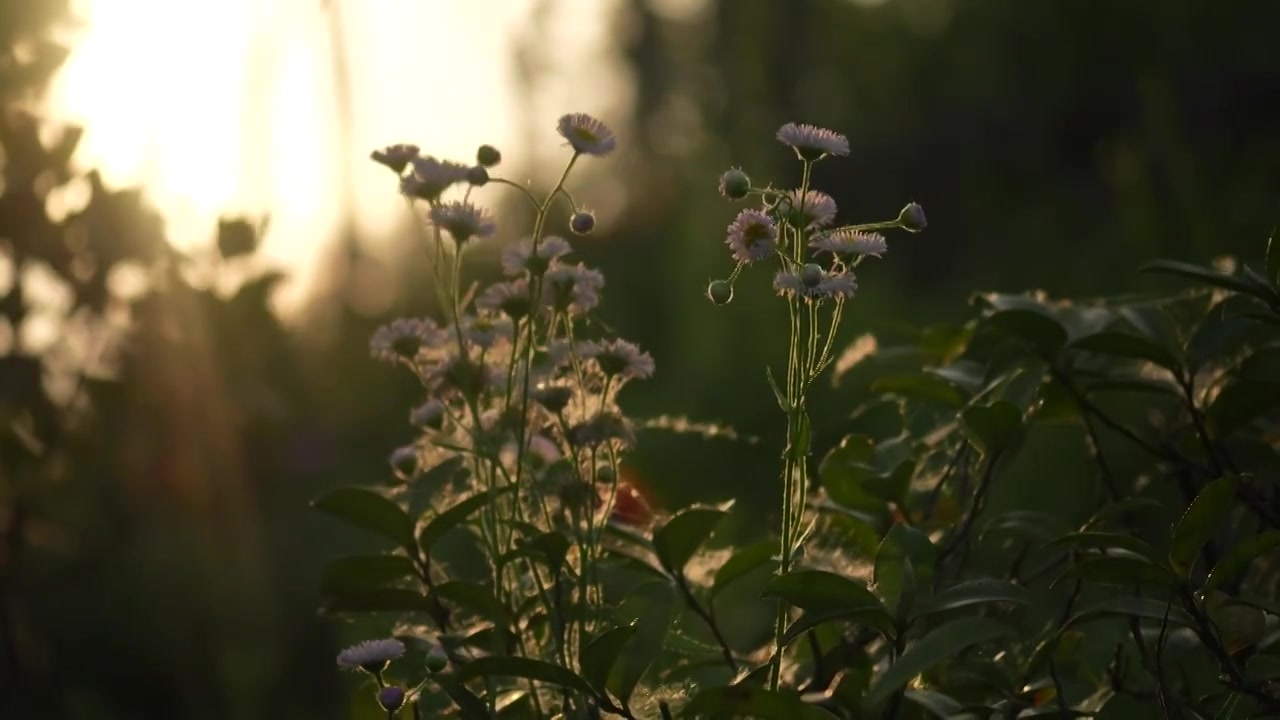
(232, 106)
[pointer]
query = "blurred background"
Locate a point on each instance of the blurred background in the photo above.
(194, 249)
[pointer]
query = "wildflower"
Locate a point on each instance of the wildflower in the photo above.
(582, 222)
(539, 453)
(478, 176)
(813, 143)
(605, 428)
(488, 156)
(391, 698)
(509, 298)
(814, 210)
(466, 376)
(520, 257)
(463, 220)
(484, 332)
(403, 339)
(371, 655)
(574, 288)
(720, 292)
(396, 157)
(552, 397)
(811, 282)
(912, 218)
(428, 414)
(622, 358)
(752, 236)
(734, 184)
(845, 242)
(431, 177)
(587, 134)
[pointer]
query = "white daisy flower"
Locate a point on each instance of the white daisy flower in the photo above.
(815, 210)
(811, 142)
(811, 282)
(371, 655)
(752, 236)
(624, 359)
(509, 298)
(573, 288)
(463, 220)
(520, 258)
(403, 339)
(431, 177)
(846, 242)
(586, 134)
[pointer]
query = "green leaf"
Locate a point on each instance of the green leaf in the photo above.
(742, 562)
(472, 707)
(1028, 522)
(904, 560)
(939, 705)
(1092, 540)
(378, 600)
(975, 592)
(1213, 278)
(476, 599)
(368, 510)
(819, 590)
(1120, 508)
(753, 702)
(1128, 346)
(873, 616)
(992, 428)
(676, 541)
(599, 655)
(1273, 260)
(922, 386)
(1262, 668)
(1238, 558)
(1121, 570)
(1266, 605)
(1242, 402)
(1035, 327)
(1127, 606)
(526, 668)
(778, 395)
(1200, 521)
(361, 572)
(651, 607)
(455, 516)
(942, 642)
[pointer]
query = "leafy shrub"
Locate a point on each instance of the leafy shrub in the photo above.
(1058, 508)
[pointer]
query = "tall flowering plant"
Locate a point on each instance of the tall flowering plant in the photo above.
(518, 443)
(815, 260)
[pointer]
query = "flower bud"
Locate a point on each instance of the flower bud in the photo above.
(437, 659)
(735, 184)
(811, 275)
(582, 222)
(488, 156)
(911, 218)
(720, 292)
(478, 176)
(391, 698)
(605, 474)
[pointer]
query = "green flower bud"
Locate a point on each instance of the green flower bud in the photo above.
(911, 218)
(488, 156)
(720, 292)
(735, 184)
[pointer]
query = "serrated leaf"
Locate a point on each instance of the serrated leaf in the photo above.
(1126, 606)
(1121, 570)
(942, 642)
(1236, 560)
(1213, 278)
(1092, 540)
(1128, 346)
(752, 702)
(1035, 327)
(366, 509)
(819, 590)
(362, 572)
(679, 538)
(525, 668)
(442, 523)
(599, 655)
(1200, 522)
(992, 428)
(975, 592)
(741, 563)
(378, 600)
